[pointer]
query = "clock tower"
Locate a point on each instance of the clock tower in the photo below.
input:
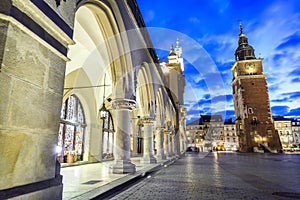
(255, 126)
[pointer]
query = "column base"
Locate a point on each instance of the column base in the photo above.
(148, 160)
(161, 157)
(122, 167)
(48, 189)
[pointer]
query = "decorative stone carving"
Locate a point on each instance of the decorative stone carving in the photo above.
(148, 120)
(123, 104)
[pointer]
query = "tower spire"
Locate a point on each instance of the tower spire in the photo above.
(172, 51)
(241, 27)
(244, 50)
(178, 48)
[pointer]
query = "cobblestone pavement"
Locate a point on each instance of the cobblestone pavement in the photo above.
(222, 176)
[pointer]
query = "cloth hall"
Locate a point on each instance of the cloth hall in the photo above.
(81, 82)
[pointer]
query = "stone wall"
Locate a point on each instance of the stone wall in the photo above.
(31, 85)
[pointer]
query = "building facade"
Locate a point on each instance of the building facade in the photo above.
(195, 136)
(283, 127)
(254, 122)
(80, 81)
(210, 133)
(231, 140)
(296, 132)
(288, 131)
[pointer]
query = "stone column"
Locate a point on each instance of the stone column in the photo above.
(181, 143)
(122, 110)
(160, 143)
(173, 144)
(33, 56)
(134, 133)
(170, 146)
(176, 148)
(166, 143)
(148, 156)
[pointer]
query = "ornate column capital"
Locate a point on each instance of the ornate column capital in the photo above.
(147, 120)
(119, 104)
(167, 132)
(159, 128)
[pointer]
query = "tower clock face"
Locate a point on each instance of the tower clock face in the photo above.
(250, 67)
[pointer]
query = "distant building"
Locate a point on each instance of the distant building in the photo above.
(195, 135)
(231, 140)
(283, 127)
(213, 131)
(206, 133)
(296, 132)
(175, 81)
(254, 121)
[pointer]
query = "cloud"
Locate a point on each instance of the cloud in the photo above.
(149, 16)
(222, 98)
(292, 95)
(194, 20)
(296, 80)
(295, 72)
(280, 110)
(289, 42)
(284, 100)
(294, 112)
(271, 28)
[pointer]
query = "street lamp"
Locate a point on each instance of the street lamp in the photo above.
(103, 111)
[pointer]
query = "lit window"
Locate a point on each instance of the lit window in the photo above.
(71, 131)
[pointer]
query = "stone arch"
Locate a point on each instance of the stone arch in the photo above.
(160, 108)
(100, 47)
(88, 99)
(72, 131)
(169, 112)
(145, 91)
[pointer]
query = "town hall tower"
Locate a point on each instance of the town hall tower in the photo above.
(254, 121)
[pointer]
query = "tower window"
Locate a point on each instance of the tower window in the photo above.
(250, 110)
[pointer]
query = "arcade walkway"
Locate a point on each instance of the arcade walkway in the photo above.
(91, 180)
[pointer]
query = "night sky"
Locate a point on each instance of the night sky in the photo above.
(208, 31)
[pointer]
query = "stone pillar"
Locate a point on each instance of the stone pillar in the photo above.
(160, 143)
(181, 143)
(122, 111)
(134, 134)
(176, 146)
(170, 146)
(173, 144)
(148, 156)
(33, 55)
(166, 143)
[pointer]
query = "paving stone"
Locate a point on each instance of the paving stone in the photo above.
(221, 176)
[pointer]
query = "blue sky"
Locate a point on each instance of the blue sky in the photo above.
(208, 31)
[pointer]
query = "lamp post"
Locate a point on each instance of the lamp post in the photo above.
(103, 115)
(103, 111)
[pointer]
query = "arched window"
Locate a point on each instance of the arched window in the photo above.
(71, 131)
